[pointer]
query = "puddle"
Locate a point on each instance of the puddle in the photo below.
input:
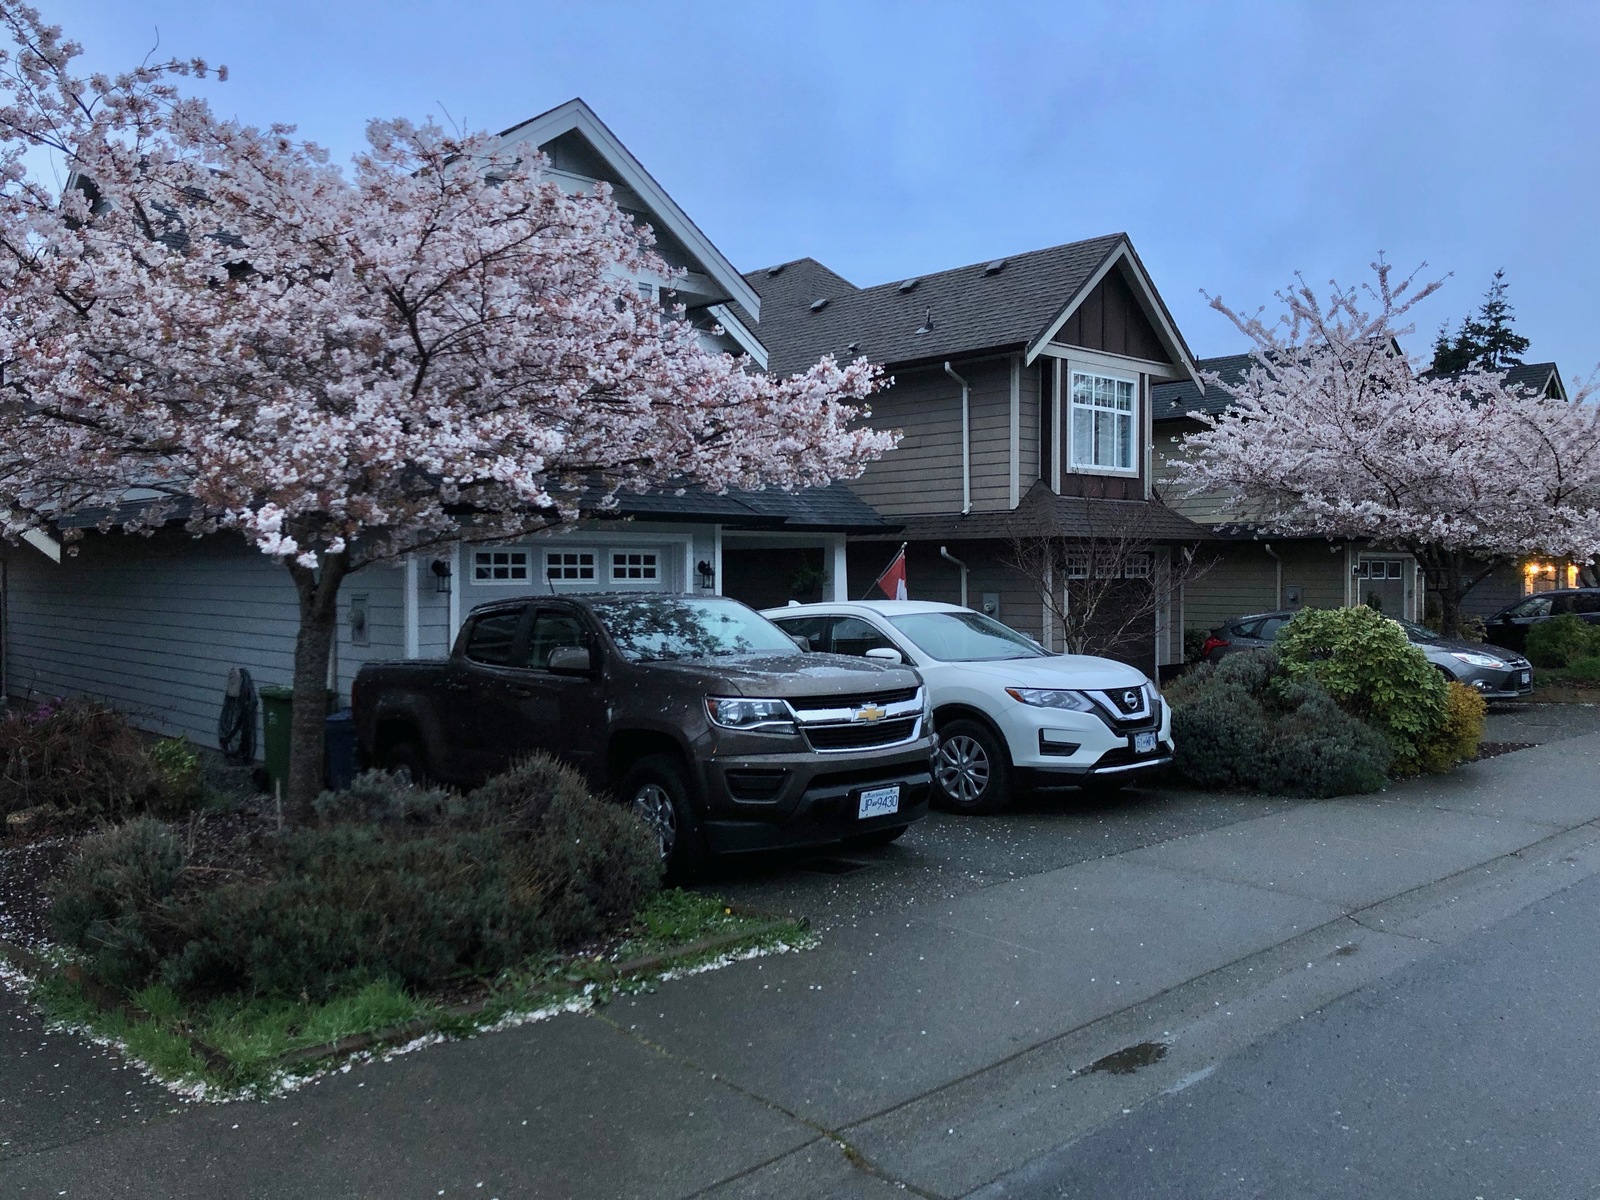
(1130, 1058)
(1346, 950)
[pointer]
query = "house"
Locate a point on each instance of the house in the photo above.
(1024, 390)
(153, 624)
(1256, 572)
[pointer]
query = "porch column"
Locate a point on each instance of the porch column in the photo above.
(413, 622)
(838, 572)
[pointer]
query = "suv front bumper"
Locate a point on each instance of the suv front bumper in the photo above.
(1055, 748)
(780, 801)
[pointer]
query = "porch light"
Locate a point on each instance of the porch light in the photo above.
(441, 575)
(707, 573)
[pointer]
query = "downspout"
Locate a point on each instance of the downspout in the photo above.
(966, 461)
(948, 557)
(1277, 575)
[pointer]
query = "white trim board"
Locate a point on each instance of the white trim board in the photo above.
(576, 115)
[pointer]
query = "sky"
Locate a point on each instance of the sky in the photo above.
(1235, 143)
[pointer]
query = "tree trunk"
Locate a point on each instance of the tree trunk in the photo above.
(313, 643)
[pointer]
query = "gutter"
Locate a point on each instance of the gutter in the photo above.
(966, 456)
(1278, 574)
(948, 557)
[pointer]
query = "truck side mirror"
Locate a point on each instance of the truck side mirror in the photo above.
(569, 660)
(886, 654)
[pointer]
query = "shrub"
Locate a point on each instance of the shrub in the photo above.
(399, 884)
(1560, 640)
(106, 900)
(1586, 669)
(1457, 739)
(74, 756)
(180, 787)
(1193, 641)
(1246, 723)
(1369, 667)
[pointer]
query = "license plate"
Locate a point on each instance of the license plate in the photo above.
(879, 802)
(1144, 743)
(1524, 676)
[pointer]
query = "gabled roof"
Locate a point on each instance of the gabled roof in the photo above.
(832, 507)
(576, 115)
(1537, 378)
(1012, 303)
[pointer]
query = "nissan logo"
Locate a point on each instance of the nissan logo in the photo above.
(1130, 699)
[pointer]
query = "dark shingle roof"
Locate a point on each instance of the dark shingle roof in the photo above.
(1173, 401)
(967, 309)
(834, 507)
(1042, 512)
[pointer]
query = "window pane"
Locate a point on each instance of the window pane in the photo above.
(1124, 440)
(491, 637)
(1082, 437)
(851, 635)
(1105, 440)
(552, 630)
(1124, 395)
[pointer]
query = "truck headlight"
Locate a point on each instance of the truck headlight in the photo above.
(1051, 698)
(737, 712)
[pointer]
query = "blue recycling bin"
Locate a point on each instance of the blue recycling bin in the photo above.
(339, 740)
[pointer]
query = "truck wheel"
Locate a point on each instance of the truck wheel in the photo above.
(407, 763)
(659, 795)
(971, 771)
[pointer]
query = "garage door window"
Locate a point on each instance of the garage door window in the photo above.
(635, 567)
(569, 566)
(500, 566)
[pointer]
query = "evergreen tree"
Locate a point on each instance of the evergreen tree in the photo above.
(1485, 340)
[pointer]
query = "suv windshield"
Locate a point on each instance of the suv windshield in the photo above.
(964, 637)
(648, 629)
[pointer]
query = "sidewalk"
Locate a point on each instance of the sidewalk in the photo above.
(924, 1052)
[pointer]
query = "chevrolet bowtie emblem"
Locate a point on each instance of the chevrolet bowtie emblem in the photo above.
(870, 713)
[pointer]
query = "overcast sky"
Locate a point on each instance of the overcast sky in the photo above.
(1235, 143)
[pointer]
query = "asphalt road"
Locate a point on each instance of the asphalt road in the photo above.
(1474, 1073)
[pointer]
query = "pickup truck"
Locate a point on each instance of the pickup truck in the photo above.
(719, 730)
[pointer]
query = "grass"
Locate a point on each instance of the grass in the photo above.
(246, 1040)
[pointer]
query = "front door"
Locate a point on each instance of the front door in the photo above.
(1381, 584)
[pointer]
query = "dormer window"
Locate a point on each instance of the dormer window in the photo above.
(1102, 422)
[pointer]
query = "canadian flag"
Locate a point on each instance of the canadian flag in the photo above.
(892, 583)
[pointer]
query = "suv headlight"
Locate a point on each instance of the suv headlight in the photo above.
(1051, 698)
(1476, 660)
(736, 712)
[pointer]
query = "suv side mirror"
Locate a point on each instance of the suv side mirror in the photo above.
(885, 654)
(801, 640)
(569, 660)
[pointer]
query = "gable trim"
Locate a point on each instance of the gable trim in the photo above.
(1115, 362)
(1151, 303)
(575, 114)
(739, 332)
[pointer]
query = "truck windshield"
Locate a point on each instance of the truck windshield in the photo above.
(648, 629)
(964, 637)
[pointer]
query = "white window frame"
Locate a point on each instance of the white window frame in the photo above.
(1076, 370)
(1076, 565)
(592, 580)
(511, 554)
(656, 566)
(1138, 565)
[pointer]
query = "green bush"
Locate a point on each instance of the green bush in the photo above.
(107, 898)
(1458, 738)
(1586, 669)
(1245, 723)
(1561, 640)
(180, 787)
(1193, 641)
(1370, 668)
(404, 885)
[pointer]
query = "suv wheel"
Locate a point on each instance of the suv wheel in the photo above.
(659, 795)
(971, 772)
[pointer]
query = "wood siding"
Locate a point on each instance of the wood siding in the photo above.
(152, 625)
(923, 476)
(1110, 319)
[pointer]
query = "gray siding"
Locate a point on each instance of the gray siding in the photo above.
(1030, 396)
(1243, 579)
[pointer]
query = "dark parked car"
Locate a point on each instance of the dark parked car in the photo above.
(1509, 626)
(702, 714)
(1496, 673)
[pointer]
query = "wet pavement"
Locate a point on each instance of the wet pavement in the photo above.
(986, 992)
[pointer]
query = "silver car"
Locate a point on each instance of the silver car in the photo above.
(1497, 674)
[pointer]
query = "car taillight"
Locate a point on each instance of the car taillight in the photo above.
(1213, 643)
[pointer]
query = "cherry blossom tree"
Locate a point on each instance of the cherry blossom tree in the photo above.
(438, 346)
(1334, 430)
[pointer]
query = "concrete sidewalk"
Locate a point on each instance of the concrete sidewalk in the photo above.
(927, 1051)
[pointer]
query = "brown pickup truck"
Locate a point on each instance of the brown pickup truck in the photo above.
(719, 730)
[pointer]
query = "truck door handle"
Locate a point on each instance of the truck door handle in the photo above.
(455, 686)
(521, 690)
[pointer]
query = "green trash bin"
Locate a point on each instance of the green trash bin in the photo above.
(277, 704)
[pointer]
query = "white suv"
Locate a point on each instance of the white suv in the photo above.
(1007, 711)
